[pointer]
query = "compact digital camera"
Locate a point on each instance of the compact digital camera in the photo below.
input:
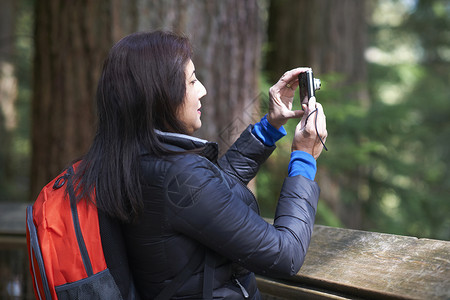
(307, 86)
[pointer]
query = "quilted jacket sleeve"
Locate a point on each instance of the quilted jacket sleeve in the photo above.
(245, 156)
(202, 206)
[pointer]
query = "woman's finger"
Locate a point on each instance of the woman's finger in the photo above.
(290, 78)
(321, 121)
(297, 114)
(312, 103)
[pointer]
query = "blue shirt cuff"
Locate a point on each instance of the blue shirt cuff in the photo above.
(302, 163)
(266, 133)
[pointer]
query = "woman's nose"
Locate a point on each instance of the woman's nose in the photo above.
(203, 91)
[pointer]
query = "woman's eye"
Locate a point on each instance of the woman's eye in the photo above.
(193, 81)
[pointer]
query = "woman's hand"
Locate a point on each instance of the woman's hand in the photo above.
(280, 98)
(306, 138)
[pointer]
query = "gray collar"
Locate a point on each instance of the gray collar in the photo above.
(181, 142)
(180, 136)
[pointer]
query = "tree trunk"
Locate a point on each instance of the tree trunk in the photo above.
(72, 38)
(227, 38)
(331, 37)
(71, 41)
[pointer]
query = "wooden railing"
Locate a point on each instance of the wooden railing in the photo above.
(15, 281)
(340, 264)
(349, 264)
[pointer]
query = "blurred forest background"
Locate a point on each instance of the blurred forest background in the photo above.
(384, 66)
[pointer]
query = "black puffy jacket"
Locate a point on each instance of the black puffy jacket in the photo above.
(195, 203)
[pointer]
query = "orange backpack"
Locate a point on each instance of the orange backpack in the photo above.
(64, 246)
(77, 252)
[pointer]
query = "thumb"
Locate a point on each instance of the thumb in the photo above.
(297, 113)
(294, 114)
(312, 103)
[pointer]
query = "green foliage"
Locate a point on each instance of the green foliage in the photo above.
(14, 185)
(389, 154)
(410, 180)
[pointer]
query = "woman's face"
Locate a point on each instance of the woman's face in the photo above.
(189, 113)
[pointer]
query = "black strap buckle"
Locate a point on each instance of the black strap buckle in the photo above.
(61, 181)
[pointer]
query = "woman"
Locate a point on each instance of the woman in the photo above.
(181, 209)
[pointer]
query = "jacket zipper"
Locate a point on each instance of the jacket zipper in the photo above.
(243, 290)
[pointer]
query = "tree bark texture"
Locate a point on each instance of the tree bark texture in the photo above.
(227, 37)
(71, 41)
(73, 37)
(331, 37)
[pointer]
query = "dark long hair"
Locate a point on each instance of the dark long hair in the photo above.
(140, 89)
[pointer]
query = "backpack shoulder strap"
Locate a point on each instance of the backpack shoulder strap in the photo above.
(181, 278)
(41, 287)
(208, 275)
(76, 224)
(116, 256)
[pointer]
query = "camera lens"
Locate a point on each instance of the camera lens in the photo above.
(317, 84)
